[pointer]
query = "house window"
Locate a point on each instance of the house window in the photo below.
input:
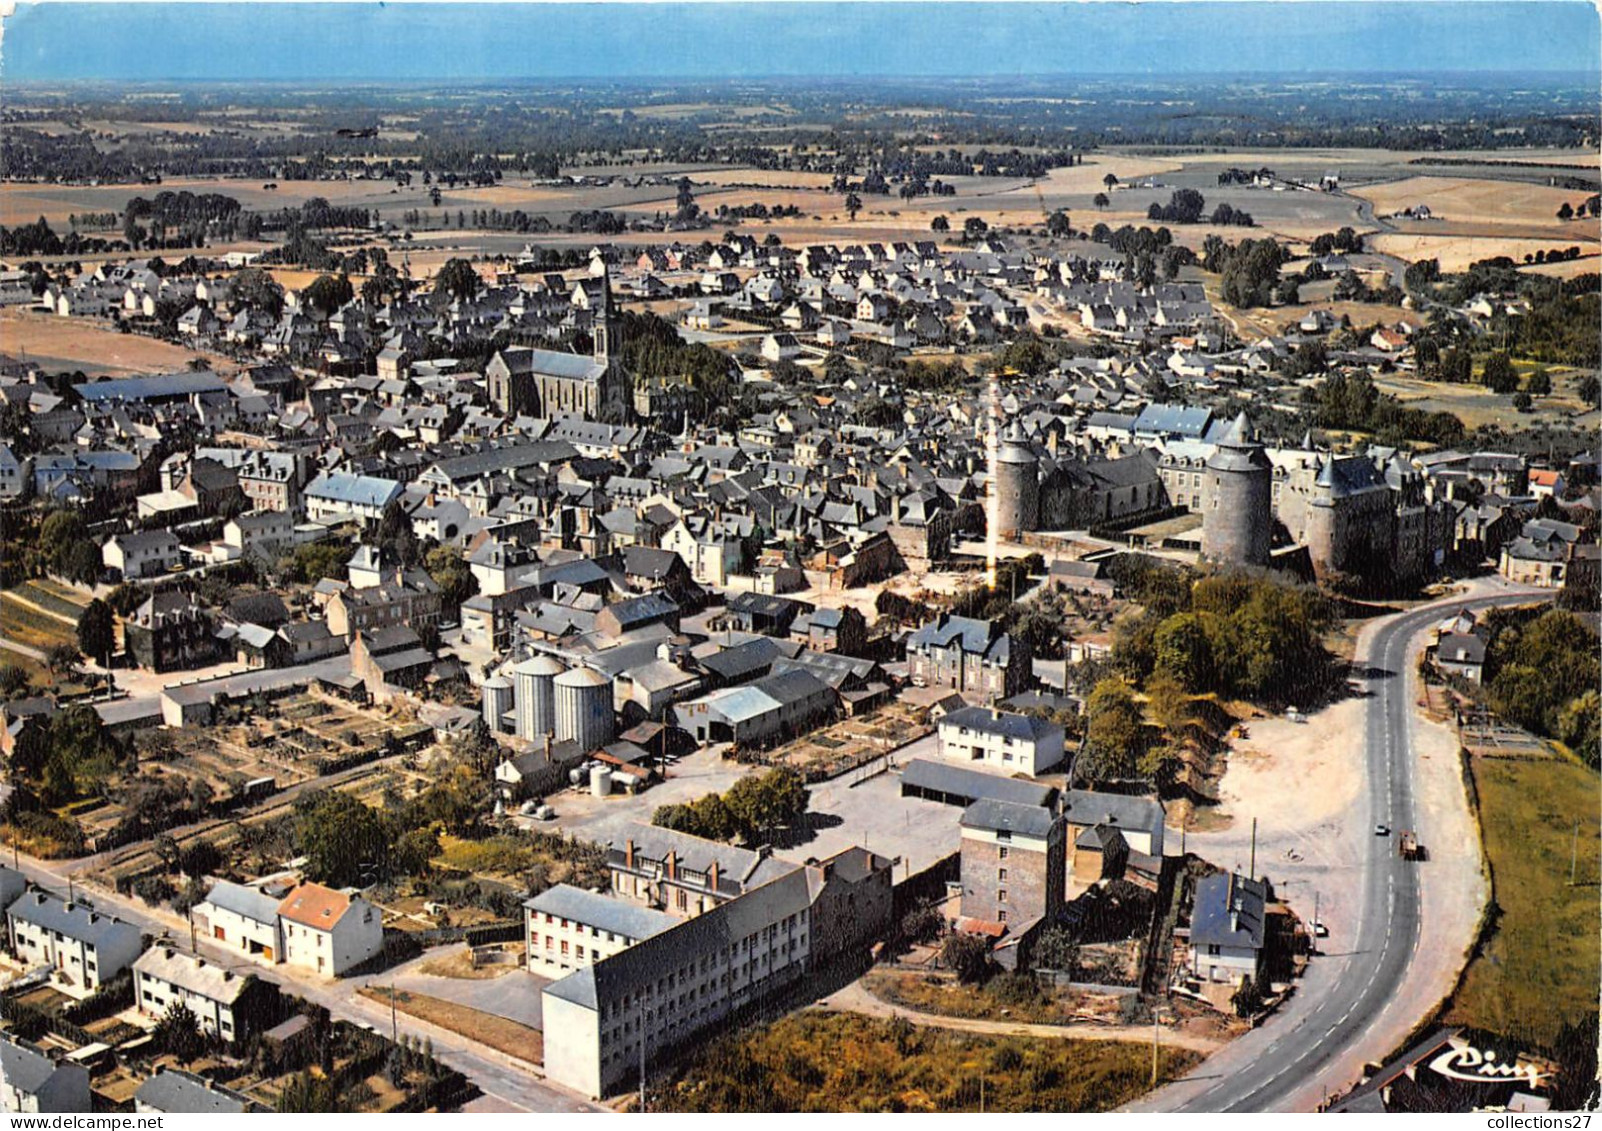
(1001, 916)
(1001, 896)
(1002, 852)
(1001, 875)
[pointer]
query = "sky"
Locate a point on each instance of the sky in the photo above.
(244, 42)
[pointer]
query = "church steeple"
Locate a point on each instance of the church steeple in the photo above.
(604, 327)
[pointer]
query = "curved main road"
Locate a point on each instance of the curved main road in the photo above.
(1284, 1061)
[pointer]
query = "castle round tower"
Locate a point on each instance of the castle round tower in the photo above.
(1017, 473)
(1240, 525)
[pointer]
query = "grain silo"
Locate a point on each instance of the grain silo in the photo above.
(584, 708)
(533, 683)
(498, 701)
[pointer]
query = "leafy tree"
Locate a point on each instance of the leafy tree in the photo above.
(1565, 211)
(1100, 200)
(968, 956)
(345, 842)
(1589, 389)
(62, 659)
(1112, 731)
(940, 224)
(1057, 949)
(457, 279)
(1540, 382)
(1058, 226)
(308, 1092)
(395, 536)
(1183, 652)
(1498, 374)
(258, 290)
(97, 631)
(328, 293)
(853, 205)
(178, 1033)
(1109, 180)
(974, 226)
(448, 568)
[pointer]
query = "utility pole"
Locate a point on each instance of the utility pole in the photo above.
(1155, 1030)
(1251, 872)
(394, 1019)
(194, 947)
(1315, 922)
(1574, 854)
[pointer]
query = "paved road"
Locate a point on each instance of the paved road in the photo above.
(1278, 1062)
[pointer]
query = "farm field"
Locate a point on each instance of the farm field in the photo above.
(73, 344)
(1456, 252)
(1537, 970)
(1475, 405)
(843, 1062)
(1472, 200)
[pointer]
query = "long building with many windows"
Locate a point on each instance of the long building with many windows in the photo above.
(666, 989)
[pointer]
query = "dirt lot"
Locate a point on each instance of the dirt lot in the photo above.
(498, 1033)
(71, 344)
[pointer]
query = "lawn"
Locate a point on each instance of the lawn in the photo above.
(498, 1033)
(1538, 969)
(843, 1062)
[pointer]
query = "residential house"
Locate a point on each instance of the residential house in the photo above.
(84, 948)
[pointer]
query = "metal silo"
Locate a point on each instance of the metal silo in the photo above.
(536, 701)
(498, 701)
(584, 708)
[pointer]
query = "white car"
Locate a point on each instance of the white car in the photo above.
(1382, 830)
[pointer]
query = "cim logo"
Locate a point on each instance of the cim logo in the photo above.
(1469, 1064)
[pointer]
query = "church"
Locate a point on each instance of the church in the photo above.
(533, 382)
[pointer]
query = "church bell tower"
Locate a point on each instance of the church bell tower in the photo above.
(603, 325)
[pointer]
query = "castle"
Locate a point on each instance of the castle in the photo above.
(1363, 517)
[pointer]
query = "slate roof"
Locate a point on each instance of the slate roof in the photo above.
(1216, 896)
(358, 490)
(1115, 810)
(601, 911)
(193, 973)
(178, 1092)
(1007, 816)
(24, 1068)
(974, 785)
(620, 974)
(1028, 728)
(73, 920)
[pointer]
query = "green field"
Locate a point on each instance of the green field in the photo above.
(1539, 968)
(844, 1062)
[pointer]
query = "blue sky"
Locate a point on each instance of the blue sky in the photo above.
(375, 41)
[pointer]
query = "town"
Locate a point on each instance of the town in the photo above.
(1087, 611)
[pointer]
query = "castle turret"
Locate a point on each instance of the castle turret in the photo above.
(1240, 525)
(1017, 473)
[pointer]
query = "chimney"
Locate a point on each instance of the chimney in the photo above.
(713, 874)
(672, 865)
(628, 854)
